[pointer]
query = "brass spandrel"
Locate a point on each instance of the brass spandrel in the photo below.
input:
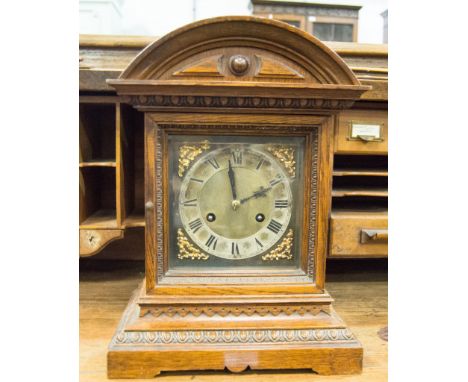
(285, 154)
(188, 153)
(283, 251)
(187, 250)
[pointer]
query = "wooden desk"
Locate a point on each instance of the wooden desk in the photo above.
(361, 300)
(111, 152)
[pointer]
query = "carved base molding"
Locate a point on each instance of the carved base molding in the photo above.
(324, 345)
(235, 310)
(147, 363)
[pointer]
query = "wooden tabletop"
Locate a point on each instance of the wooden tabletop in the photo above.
(360, 292)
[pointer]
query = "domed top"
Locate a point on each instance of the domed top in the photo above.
(243, 53)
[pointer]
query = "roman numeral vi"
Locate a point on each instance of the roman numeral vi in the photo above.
(211, 240)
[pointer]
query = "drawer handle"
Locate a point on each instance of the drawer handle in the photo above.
(374, 236)
(368, 138)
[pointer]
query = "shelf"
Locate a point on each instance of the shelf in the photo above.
(360, 163)
(111, 171)
(360, 203)
(374, 192)
(101, 219)
(97, 197)
(135, 219)
(97, 135)
(131, 132)
(98, 163)
(359, 172)
(362, 210)
(358, 214)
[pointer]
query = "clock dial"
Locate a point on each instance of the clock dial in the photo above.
(235, 202)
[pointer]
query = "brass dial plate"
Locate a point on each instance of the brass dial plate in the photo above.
(241, 225)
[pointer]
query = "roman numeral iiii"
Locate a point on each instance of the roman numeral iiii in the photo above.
(274, 226)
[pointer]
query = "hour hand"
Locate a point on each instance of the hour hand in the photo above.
(232, 180)
(260, 193)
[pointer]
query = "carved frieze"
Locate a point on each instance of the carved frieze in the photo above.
(236, 102)
(235, 310)
(234, 336)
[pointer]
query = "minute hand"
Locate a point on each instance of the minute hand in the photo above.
(232, 181)
(256, 194)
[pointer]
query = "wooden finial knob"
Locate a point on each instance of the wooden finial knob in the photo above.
(239, 64)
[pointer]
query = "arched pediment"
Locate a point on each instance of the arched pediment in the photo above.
(241, 56)
(277, 48)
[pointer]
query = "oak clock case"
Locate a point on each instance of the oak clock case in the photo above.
(236, 202)
(239, 117)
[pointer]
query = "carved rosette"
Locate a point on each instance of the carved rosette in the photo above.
(188, 153)
(187, 250)
(283, 251)
(239, 64)
(285, 154)
(235, 336)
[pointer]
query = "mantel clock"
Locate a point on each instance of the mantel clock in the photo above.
(239, 116)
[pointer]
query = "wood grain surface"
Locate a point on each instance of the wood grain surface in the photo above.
(346, 228)
(105, 287)
(345, 145)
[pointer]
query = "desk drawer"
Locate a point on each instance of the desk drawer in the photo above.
(368, 136)
(358, 234)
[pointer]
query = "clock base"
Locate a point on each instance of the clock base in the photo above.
(326, 347)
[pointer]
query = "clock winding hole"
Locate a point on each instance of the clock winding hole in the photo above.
(211, 217)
